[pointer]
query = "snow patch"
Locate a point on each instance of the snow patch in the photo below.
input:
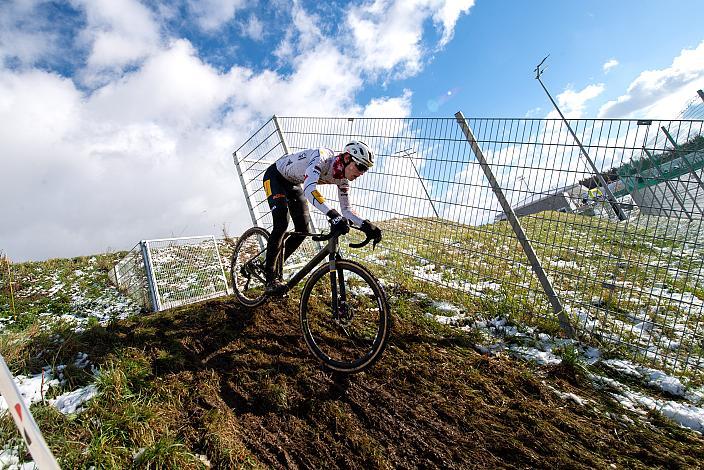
(535, 355)
(71, 402)
(651, 377)
(10, 460)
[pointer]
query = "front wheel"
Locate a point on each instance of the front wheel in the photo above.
(247, 267)
(345, 317)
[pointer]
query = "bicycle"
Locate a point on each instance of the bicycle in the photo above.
(344, 314)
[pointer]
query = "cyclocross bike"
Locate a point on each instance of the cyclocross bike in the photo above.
(343, 311)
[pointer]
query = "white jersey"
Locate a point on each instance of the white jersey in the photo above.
(319, 166)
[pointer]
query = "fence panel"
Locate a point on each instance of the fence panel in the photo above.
(129, 276)
(635, 282)
(167, 273)
(186, 270)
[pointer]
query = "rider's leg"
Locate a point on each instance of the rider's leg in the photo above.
(280, 216)
(298, 208)
(276, 190)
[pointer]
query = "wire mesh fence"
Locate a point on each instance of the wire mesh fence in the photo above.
(130, 277)
(186, 270)
(627, 269)
(167, 273)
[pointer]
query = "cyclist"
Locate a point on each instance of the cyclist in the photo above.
(291, 182)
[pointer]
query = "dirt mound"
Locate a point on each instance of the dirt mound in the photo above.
(251, 395)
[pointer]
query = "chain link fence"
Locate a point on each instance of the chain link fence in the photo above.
(621, 250)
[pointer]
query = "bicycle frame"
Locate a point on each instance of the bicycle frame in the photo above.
(339, 297)
(334, 321)
(339, 302)
(329, 250)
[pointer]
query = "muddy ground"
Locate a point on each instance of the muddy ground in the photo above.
(248, 394)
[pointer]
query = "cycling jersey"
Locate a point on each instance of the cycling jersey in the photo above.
(319, 166)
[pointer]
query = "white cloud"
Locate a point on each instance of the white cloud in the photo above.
(120, 32)
(146, 151)
(533, 113)
(657, 93)
(254, 28)
(83, 178)
(146, 155)
(321, 84)
(448, 14)
(388, 33)
(25, 35)
(303, 34)
(172, 87)
(609, 64)
(572, 103)
(212, 14)
(399, 106)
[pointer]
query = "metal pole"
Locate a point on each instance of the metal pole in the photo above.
(518, 230)
(683, 157)
(667, 183)
(281, 134)
(245, 189)
(427, 194)
(222, 268)
(609, 194)
(153, 292)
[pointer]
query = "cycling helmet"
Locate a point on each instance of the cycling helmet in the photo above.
(360, 153)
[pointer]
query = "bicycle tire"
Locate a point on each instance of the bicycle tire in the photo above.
(252, 244)
(341, 349)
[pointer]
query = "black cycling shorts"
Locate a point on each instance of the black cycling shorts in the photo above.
(280, 192)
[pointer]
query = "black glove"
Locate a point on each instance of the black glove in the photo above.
(371, 231)
(338, 224)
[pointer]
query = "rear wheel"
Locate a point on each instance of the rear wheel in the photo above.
(345, 317)
(247, 267)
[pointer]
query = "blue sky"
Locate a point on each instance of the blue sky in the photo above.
(119, 116)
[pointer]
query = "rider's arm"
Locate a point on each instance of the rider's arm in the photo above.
(343, 190)
(310, 183)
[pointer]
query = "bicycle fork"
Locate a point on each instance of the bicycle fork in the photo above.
(341, 313)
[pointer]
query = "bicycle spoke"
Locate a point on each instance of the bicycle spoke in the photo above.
(356, 330)
(247, 266)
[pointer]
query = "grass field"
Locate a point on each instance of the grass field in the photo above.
(464, 383)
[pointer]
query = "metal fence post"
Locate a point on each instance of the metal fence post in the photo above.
(151, 282)
(222, 268)
(245, 188)
(518, 230)
(615, 205)
(281, 134)
(422, 182)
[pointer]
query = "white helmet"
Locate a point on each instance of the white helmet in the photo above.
(360, 153)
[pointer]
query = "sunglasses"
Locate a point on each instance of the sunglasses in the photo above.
(362, 168)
